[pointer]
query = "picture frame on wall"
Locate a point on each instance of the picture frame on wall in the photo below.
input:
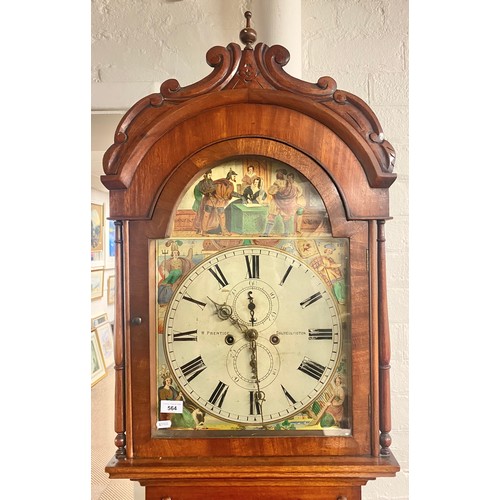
(97, 364)
(96, 283)
(105, 335)
(110, 244)
(96, 234)
(98, 320)
(111, 290)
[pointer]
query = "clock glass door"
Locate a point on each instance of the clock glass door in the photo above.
(252, 308)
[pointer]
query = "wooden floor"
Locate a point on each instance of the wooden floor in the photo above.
(102, 444)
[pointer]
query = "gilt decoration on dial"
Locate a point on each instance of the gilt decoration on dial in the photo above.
(252, 308)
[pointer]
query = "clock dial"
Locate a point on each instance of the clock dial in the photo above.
(252, 335)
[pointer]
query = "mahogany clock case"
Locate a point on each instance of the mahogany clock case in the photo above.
(248, 110)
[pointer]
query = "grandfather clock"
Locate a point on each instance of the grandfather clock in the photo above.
(252, 341)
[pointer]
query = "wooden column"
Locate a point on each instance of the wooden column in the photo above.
(120, 440)
(384, 346)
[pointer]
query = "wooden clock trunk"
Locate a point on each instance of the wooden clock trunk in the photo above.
(249, 107)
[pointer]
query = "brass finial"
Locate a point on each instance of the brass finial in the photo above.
(248, 35)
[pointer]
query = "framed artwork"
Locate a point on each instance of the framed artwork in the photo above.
(97, 365)
(110, 246)
(111, 289)
(98, 320)
(96, 234)
(105, 335)
(96, 283)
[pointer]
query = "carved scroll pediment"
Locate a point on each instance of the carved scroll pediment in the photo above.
(260, 68)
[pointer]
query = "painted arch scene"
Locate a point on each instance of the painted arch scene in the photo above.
(251, 196)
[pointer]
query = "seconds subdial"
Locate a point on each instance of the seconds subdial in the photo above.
(264, 304)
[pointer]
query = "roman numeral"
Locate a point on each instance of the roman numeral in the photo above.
(193, 368)
(311, 368)
(310, 300)
(218, 275)
(285, 276)
(252, 266)
(320, 334)
(191, 335)
(217, 397)
(288, 396)
(194, 301)
(255, 405)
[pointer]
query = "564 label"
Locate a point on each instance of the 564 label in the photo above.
(171, 406)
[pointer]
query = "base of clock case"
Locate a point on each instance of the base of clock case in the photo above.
(251, 478)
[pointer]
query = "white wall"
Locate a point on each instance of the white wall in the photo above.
(362, 44)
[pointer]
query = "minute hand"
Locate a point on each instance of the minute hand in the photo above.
(260, 396)
(224, 312)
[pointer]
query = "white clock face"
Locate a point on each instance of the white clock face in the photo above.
(252, 335)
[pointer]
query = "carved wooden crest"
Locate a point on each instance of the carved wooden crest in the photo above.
(252, 74)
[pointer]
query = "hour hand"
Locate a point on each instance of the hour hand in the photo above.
(225, 311)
